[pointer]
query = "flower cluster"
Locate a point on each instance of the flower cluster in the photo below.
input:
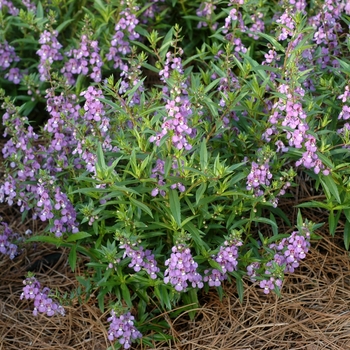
(96, 124)
(33, 186)
(345, 112)
(12, 10)
(182, 269)
(43, 303)
(178, 107)
(287, 25)
(132, 76)
(310, 159)
(7, 55)
(290, 115)
(287, 255)
(29, 5)
(124, 33)
(64, 113)
(206, 11)
(48, 53)
(328, 26)
(345, 98)
(258, 25)
(83, 60)
(235, 16)
(158, 173)
(227, 259)
(259, 175)
(6, 238)
(140, 259)
(14, 75)
(122, 328)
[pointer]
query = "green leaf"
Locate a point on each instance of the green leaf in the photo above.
(266, 221)
(236, 166)
(72, 258)
(330, 187)
(200, 191)
(239, 284)
(347, 214)
(141, 206)
(274, 228)
(77, 236)
(64, 24)
(272, 40)
(333, 220)
(162, 293)
(100, 158)
(347, 235)
(203, 155)
(126, 294)
(175, 209)
(196, 236)
(211, 85)
(45, 239)
(166, 43)
(39, 10)
(314, 204)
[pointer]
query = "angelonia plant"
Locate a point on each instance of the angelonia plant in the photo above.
(159, 139)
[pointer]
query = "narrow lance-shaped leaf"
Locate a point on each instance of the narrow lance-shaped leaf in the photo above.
(175, 208)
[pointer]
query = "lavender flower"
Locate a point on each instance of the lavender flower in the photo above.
(182, 269)
(345, 98)
(122, 329)
(14, 75)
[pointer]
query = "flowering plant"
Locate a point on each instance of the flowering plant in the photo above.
(168, 185)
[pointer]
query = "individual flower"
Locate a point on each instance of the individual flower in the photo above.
(14, 75)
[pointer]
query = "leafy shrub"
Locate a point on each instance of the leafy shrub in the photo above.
(158, 139)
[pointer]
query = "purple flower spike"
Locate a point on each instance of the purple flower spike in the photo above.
(182, 269)
(122, 329)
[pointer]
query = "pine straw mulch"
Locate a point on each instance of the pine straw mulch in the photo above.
(313, 312)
